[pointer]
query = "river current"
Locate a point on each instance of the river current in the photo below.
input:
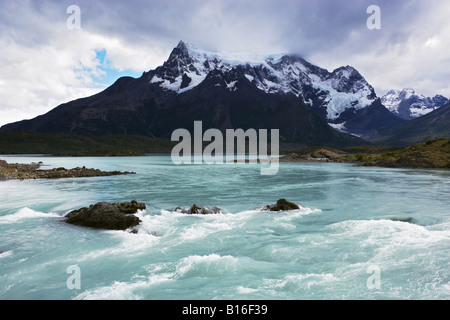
(360, 233)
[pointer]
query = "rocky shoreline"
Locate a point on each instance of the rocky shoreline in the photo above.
(17, 171)
(312, 155)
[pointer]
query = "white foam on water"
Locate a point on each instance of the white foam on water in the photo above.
(393, 243)
(167, 230)
(203, 230)
(296, 281)
(117, 291)
(131, 245)
(6, 254)
(191, 227)
(158, 225)
(164, 231)
(400, 250)
(295, 214)
(129, 290)
(207, 266)
(212, 265)
(135, 288)
(388, 232)
(386, 243)
(26, 213)
(301, 282)
(246, 290)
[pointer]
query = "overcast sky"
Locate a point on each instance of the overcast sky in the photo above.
(43, 62)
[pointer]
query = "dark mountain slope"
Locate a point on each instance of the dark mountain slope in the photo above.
(371, 122)
(127, 108)
(434, 125)
(190, 86)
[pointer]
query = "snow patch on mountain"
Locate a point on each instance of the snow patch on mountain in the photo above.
(339, 126)
(393, 98)
(339, 97)
(421, 111)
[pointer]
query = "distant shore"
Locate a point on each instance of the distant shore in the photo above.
(433, 154)
(17, 171)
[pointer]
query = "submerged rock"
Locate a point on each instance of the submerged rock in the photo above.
(198, 210)
(281, 205)
(407, 219)
(105, 215)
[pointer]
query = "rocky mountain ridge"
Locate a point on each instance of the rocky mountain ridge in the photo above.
(327, 93)
(408, 105)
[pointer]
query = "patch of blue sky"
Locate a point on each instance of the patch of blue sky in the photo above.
(109, 74)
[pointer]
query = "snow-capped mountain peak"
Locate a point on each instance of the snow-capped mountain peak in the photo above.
(408, 104)
(328, 93)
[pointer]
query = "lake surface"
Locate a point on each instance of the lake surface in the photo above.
(361, 233)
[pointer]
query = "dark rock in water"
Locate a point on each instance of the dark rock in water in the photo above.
(212, 210)
(198, 210)
(281, 205)
(407, 219)
(195, 209)
(105, 215)
(130, 207)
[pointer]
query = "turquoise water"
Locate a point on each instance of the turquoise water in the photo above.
(361, 233)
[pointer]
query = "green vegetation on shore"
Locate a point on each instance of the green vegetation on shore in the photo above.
(63, 145)
(430, 154)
